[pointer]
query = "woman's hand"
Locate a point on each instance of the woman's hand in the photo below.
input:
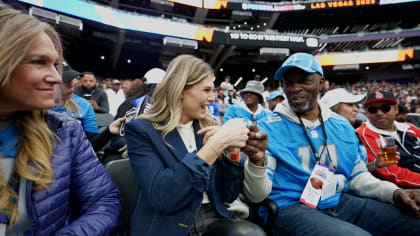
(114, 127)
(208, 132)
(233, 133)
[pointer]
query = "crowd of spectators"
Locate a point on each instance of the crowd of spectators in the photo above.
(197, 152)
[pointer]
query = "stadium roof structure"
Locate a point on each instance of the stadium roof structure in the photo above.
(125, 38)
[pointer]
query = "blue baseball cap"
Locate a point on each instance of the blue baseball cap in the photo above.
(303, 61)
(274, 95)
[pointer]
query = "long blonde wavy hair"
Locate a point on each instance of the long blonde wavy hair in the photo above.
(72, 108)
(183, 72)
(36, 141)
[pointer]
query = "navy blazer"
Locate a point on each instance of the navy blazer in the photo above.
(172, 181)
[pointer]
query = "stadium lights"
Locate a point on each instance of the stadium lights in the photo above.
(182, 43)
(238, 81)
(377, 56)
(284, 52)
(57, 18)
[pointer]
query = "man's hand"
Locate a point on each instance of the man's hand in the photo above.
(409, 200)
(256, 145)
(94, 104)
(379, 164)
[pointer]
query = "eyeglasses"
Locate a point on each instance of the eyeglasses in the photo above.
(383, 108)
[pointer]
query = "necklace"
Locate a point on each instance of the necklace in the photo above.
(186, 132)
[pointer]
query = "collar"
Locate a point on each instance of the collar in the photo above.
(244, 106)
(187, 125)
(398, 127)
(285, 109)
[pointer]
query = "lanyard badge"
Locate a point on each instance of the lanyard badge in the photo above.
(320, 185)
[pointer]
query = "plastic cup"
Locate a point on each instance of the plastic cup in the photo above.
(388, 154)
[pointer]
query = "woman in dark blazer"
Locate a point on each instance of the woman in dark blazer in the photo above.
(177, 156)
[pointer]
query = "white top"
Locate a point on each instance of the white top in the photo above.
(114, 100)
(186, 131)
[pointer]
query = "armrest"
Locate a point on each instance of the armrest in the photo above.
(272, 210)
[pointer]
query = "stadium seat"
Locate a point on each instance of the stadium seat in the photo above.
(103, 120)
(121, 174)
(272, 209)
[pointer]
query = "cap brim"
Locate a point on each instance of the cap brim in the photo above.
(355, 99)
(252, 91)
(279, 73)
(392, 101)
(70, 75)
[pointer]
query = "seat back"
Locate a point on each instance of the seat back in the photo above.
(122, 175)
(103, 119)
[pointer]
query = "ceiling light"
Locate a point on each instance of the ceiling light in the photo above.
(221, 69)
(253, 69)
(128, 61)
(102, 57)
(245, 23)
(265, 24)
(367, 68)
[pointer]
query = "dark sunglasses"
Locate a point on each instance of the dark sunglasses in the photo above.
(383, 108)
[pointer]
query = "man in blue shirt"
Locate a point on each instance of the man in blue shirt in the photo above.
(304, 135)
(250, 108)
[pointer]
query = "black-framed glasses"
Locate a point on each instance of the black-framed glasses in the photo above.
(383, 108)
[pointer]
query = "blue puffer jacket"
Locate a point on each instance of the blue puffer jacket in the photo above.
(82, 200)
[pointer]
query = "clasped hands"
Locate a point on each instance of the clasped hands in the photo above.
(234, 135)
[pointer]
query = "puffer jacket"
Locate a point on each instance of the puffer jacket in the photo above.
(82, 200)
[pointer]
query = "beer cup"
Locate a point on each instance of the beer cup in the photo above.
(388, 154)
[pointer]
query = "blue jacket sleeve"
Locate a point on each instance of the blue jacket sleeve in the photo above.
(93, 191)
(168, 189)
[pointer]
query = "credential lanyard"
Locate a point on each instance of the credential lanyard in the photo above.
(317, 156)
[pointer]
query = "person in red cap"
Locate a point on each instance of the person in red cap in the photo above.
(381, 110)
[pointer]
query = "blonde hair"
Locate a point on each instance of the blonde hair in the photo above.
(183, 72)
(72, 108)
(36, 141)
(336, 108)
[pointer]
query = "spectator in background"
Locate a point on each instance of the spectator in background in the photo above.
(132, 89)
(275, 97)
(381, 110)
(213, 109)
(52, 182)
(115, 96)
(231, 98)
(325, 88)
(176, 157)
(139, 100)
(343, 103)
(250, 108)
(226, 85)
(96, 96)
(220, 101)
(303, 136)
(75, 106)
(402, 113)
